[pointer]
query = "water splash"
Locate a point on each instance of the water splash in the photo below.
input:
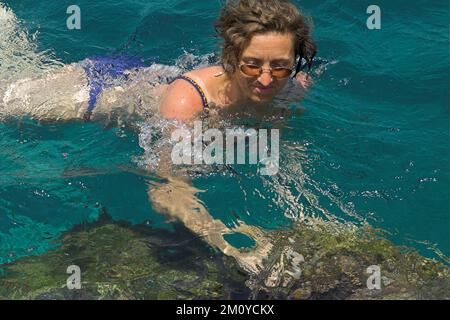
(19, 54)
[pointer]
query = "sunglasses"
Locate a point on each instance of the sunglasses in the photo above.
(253, 70)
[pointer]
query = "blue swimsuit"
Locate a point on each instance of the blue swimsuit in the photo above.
(104, 72)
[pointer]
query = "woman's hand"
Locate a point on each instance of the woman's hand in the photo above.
(296, 90)
(303, 80)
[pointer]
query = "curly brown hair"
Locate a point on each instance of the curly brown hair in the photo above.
(239, 20)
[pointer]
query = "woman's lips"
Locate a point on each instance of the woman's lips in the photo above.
(264, 90)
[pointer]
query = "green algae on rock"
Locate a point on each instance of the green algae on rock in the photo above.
(334, 265)
(120, 261)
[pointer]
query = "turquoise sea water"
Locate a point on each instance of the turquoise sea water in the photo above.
(372, 146)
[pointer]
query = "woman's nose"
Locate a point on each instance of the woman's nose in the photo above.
(265, 79)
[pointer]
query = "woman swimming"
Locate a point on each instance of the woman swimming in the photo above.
(264, 45)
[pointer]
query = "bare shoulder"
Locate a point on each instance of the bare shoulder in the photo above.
(181, 101)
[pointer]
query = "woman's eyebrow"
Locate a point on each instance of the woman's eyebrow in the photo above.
(253, 59)
(276, 61)
(280, 61)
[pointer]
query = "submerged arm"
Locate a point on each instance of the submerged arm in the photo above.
(177, 197)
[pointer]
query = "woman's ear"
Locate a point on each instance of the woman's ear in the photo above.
(228, 68)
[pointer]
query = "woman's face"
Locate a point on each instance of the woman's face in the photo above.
(269, 50)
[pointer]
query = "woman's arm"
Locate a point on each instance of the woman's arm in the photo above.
(177, 198)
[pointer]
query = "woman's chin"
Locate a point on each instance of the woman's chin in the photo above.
(261, 99)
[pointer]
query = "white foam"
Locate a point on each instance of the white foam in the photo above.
(19, 55)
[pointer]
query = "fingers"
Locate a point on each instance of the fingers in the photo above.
(304, 79)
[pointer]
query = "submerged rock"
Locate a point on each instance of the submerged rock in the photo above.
(120, 261)
(348, 264)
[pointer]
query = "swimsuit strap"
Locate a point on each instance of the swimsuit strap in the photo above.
(197, 87)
